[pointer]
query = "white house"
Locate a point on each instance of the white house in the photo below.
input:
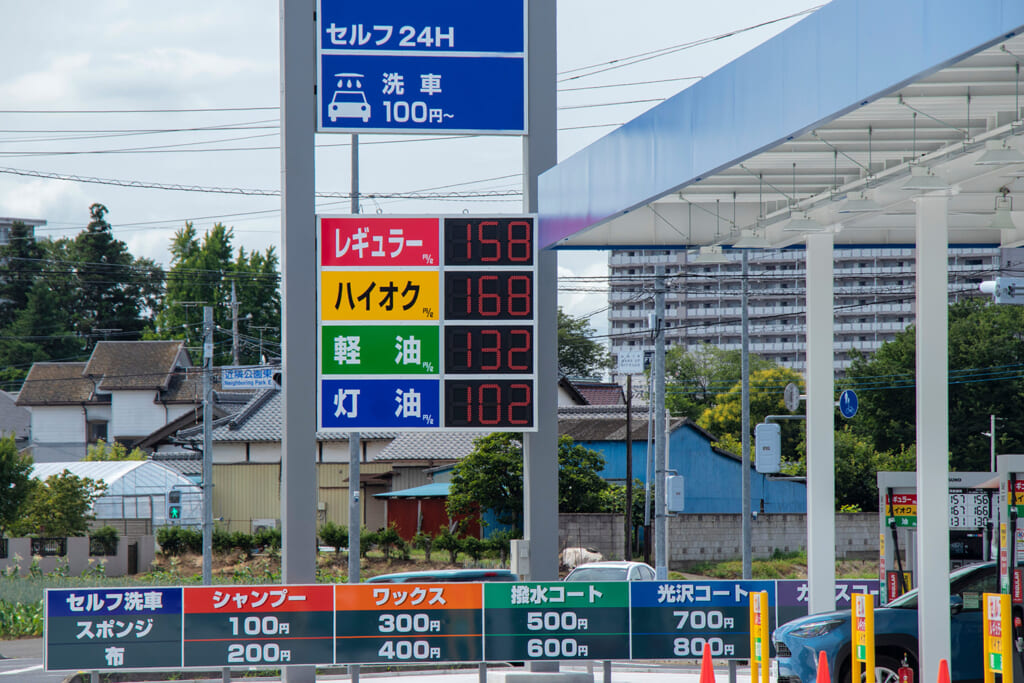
(125, 392)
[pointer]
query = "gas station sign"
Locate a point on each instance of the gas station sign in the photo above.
(555, 621)
(427, 323)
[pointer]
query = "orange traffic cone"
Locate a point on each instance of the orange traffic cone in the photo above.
(823, 676)
(707, 671)
(943, 671)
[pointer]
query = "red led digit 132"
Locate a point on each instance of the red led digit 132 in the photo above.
(488, 349)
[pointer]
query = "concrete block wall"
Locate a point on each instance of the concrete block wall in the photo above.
(19, 554)
(718, 537)
(603, 532)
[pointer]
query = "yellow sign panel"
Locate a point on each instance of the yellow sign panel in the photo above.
(385, 295)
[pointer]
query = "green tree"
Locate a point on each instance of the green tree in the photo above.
(985, 345)
(202, 273)
(114, 291)
(15, 482)
(491, 478)
(60, 506)
(694, 379)
(22, 259)
(578, 354)
(766, 398)
(101, 451)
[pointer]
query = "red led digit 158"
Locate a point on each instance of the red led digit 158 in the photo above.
(488, 403)
(488, 295)
(474, 241)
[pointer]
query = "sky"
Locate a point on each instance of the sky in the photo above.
(148, 108)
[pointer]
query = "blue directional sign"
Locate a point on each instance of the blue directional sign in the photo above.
(405, 66)
(848, 403)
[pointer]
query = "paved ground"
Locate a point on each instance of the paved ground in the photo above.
(625, 672)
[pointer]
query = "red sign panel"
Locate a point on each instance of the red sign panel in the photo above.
(269, 598)
(379, 241)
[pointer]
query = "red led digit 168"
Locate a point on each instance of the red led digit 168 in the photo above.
(485, 295)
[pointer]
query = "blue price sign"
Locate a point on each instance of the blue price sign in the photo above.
(401, 66)
(354, 404)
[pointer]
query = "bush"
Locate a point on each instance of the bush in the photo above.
(473, 547)
(334, 535)
(175, 540)
(423, 541)
(367, 539)
(388, 539)
(448, 542)
(103, 541)
(268, 539)
(499, 542)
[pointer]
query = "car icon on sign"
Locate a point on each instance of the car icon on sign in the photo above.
(349, 101)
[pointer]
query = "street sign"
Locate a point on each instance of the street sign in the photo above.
(791, 397)
(402, 66)
(247, 377)
(556, 621)
(630, 360)
(427, 323)
(113, 628)
(405, 624)
(258, 625)
(848, 403)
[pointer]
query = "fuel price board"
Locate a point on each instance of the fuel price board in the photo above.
(408, 623)
(546, 621)
(427, 323)
(678, 619)
(258, 625)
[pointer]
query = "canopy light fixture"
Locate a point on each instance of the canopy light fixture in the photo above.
(749, 239)
(802, 222)
(923, 179)
(711, 255)
(859, 202)
(1003, 219)
(999, 153)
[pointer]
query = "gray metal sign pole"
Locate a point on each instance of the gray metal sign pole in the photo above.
(540, 448)
(298, 318)
(207, 445)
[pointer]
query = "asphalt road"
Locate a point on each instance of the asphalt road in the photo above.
(22, 661)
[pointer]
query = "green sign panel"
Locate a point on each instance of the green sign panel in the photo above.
(380, 349)
(539, 621)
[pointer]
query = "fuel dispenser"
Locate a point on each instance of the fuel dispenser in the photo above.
(970, 526)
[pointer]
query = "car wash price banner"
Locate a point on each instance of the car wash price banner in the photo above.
(273, 625)
(426, 323)
(411, 67)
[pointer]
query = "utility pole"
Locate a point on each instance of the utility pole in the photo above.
(234, 326)
(207, 445)
(354, 485)
(660, 446)
(745, 417)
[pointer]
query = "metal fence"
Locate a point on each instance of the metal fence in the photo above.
(50, 547)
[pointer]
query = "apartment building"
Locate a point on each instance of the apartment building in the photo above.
(873, 290)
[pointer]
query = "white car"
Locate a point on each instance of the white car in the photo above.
(348, 104)
(613, 570)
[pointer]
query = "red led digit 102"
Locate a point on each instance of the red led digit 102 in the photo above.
(478, 349)
(488, 241)
(488, 295)
(488, 403)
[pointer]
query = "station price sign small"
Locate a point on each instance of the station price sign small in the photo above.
(409, 623)
(113, 628)
(261, 625)
(427, 323)
(679, 619)
(401, 66)
(550, 621)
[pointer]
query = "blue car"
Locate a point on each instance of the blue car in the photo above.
(798, 642)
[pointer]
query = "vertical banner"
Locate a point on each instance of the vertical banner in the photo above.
(863, 616)
(997, 636)
(759, 647)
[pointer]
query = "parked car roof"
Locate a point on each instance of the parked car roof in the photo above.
(612, 570)
(445, 576)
